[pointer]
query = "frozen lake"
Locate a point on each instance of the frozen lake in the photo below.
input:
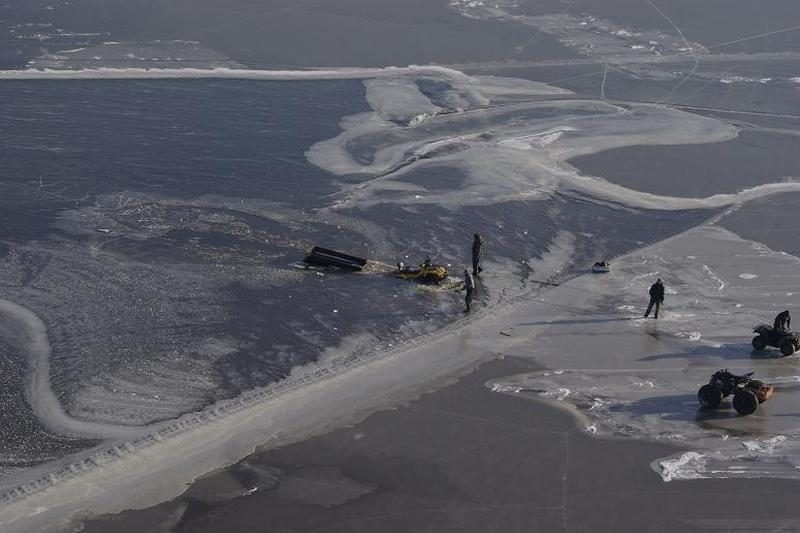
(162, 176)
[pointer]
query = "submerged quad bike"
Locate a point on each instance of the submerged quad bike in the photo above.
(747, 392)
(766, 335)
(422, 274)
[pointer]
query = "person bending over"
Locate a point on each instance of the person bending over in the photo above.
(783, 322)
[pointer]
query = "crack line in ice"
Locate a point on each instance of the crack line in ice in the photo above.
(690, 50)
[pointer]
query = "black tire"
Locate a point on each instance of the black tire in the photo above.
(759, 342)
(787, 347)
(709, 396)
(745, 402)
(754, 385)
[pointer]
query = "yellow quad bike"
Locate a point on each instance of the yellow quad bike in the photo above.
(428, 274)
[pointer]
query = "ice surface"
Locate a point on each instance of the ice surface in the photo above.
(142, 472)
(511, 144)
(509, 148)
(22, 327)
(509, 151)
(242, 74)
(635, 377)
(689, 465)
(398, 99)
(158, 54)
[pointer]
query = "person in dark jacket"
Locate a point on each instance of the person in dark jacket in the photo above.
(656, 298)
(477, 252)
(783, 322)
(469, 286)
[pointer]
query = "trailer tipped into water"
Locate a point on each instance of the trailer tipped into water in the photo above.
(325, 257)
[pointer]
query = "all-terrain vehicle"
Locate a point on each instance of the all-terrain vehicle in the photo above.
(424, 273)
(747, 392)
(766, 335)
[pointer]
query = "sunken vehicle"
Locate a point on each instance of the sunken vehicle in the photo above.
(748, 393)
(766, 335)
(426, 272)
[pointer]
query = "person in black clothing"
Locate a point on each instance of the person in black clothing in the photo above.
(656, 298)
(469, 286)
(783, 322)
(477, 252)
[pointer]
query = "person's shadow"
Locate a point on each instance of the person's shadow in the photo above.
(573, 321)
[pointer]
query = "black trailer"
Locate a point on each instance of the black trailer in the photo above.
(324, 257)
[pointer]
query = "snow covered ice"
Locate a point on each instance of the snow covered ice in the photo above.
(637, 377)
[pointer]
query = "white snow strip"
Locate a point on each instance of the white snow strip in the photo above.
(28, 333)
(715, 277)
(493, 85)
(767, 446)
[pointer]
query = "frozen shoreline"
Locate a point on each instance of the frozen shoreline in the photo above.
(122, 475)
(289, 411)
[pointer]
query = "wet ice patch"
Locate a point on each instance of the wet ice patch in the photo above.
(689, 465)
(399, 99)
(559, 394)
(691, 335)
(164, 54)
(498, 387)
(596, 404)
(146, 393)
(766, 446)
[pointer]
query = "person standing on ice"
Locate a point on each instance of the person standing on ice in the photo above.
(469, 286)
(477, 252)
(656, 298)
(783, 322)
